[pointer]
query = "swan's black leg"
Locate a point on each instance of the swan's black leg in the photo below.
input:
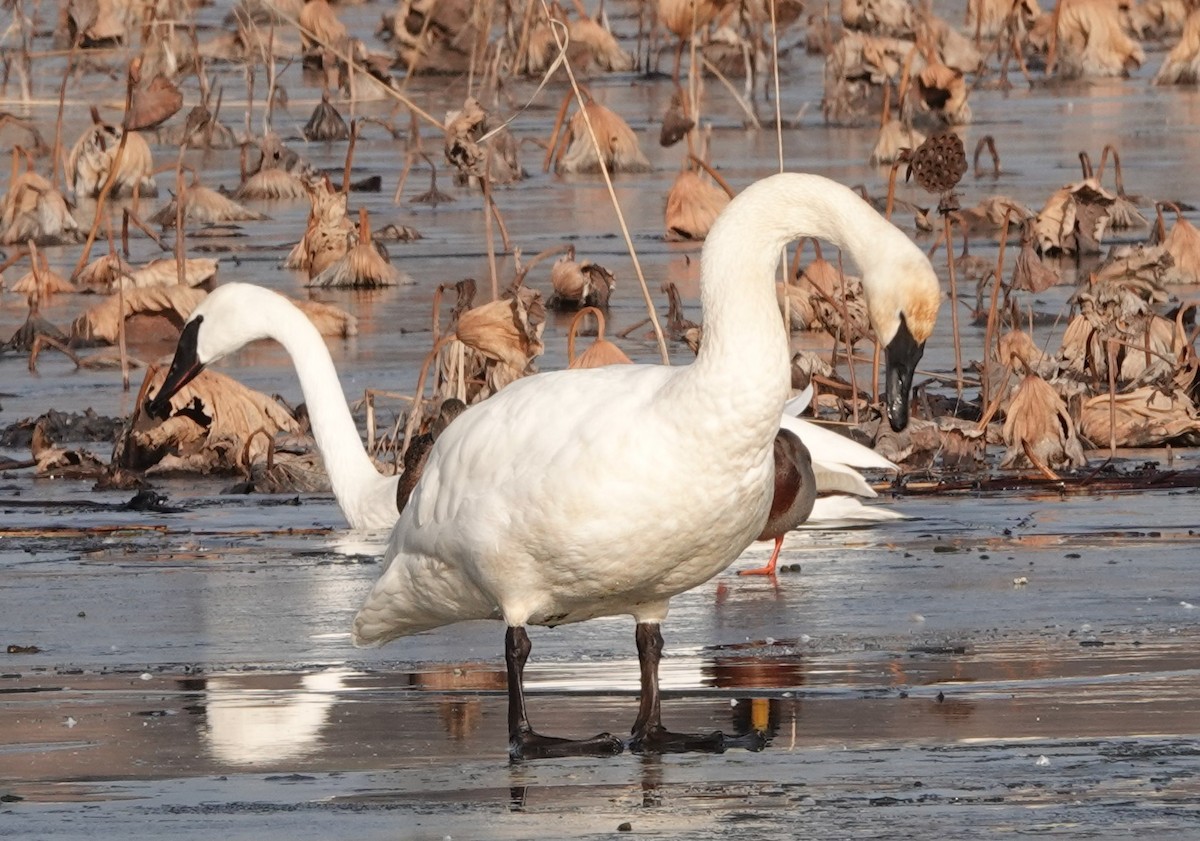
(523, 743)
(649, 736)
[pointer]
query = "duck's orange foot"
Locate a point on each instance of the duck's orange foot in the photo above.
(769, 569)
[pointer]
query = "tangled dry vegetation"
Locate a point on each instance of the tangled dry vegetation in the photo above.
(1119, 371)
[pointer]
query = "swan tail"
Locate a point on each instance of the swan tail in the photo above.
(415, 594)
(375, 625)
(799, 403)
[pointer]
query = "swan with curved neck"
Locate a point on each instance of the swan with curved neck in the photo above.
(236, 314)
(576, 494)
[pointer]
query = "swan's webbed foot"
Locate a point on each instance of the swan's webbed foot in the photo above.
(754, 741)
(523, 742)
(767, 570)
(658, 739)
(526, 744)
(649, 736)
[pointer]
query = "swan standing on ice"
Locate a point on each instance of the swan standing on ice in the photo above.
(576, 494)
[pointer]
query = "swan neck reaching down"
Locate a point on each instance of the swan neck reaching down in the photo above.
(351, 471)
(742, 326)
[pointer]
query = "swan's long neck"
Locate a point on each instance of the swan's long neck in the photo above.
(366, 496)
(744, 350)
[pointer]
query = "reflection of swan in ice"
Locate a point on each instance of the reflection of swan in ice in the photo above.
(246, 724)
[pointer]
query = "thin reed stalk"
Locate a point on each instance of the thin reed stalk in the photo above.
(560, 36)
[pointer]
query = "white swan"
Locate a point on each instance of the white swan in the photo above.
(583, 493)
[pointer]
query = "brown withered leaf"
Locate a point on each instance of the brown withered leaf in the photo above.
(1029, 272)
(153, 104)
(508, 330)
(216, 425)
(1019, 345)
(693, 204)
(1074, 219)
(1120, 310)
(101, 274)
(683, 16)
(92, 157)
(593, 46)
(281, 173)
(329, 233)
(1090, 40)
(326, 124)
(363, 266)
(796, 303)
(618, 144)
(33, 209)
(319, 25)
(474, 158)
(41, 281)
(206, 206)
(943, 91)
(330, 320)
(1182, 64)
(170, 304)
(1183, 244)
(676, 123)
(579, 283)
(492, 345)
(1039, 430)
(1145, 263)
(894, 138)
(835, 297)
(1145, 417)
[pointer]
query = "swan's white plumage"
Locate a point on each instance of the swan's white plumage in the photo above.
(593, 492)
(236, 314)
(840, 511)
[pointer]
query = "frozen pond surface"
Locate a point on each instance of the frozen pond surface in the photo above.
(199, 679)
(1018, 664)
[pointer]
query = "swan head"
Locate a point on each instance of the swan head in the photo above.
(231, 316)
(903, 312)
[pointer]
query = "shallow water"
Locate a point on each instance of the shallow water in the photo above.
(1024, 663)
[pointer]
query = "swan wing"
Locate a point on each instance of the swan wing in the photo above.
(830, 447)
(838, 478)
(838, 511)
